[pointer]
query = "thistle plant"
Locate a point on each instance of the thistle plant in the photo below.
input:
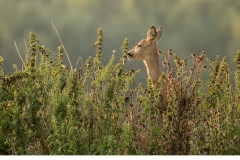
(96, 110)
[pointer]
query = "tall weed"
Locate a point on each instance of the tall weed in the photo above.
(95, 109)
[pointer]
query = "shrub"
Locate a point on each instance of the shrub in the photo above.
(93, 109)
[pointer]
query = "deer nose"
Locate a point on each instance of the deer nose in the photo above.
(129, 54)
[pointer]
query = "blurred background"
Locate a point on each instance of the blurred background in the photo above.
(189, 26)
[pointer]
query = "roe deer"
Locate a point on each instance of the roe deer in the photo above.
(147, 51)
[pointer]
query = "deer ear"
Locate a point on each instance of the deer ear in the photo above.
(159, 33)
(151, 34)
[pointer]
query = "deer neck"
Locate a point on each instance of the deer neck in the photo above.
(152, 65)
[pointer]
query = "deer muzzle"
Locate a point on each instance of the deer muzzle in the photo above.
(129, 54)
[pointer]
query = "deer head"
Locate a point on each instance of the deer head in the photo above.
(147, 51)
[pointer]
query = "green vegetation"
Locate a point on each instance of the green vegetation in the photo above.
(94, 109)
(188, 26)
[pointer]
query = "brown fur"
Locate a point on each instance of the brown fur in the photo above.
(147, 51)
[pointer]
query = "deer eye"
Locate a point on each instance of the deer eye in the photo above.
(139, 45)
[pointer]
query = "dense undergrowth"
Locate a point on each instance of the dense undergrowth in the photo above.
(95, 109)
